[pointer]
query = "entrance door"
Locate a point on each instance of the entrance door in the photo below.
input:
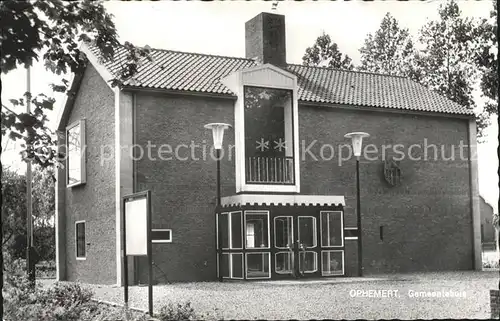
(309, 245)
(295, 241)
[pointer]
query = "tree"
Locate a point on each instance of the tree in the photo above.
(447, 61)
(389, 50)
(487, 60)
(325, 53)
(14, 212)
(52, 30)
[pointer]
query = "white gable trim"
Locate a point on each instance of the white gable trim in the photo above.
(101, 70)
(105, 74)
(269, 66)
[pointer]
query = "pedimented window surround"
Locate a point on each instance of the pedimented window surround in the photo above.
(271, 77)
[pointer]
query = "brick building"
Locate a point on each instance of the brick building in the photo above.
(286, 171)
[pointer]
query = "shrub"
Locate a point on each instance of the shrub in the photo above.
(184, 311)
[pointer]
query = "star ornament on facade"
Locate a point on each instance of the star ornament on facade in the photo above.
(280, 144)
(262, 145)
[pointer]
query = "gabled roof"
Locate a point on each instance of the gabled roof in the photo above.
(193, 72)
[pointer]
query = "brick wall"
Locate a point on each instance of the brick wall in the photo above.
(431, 205)
(94, 201)
(183, 191)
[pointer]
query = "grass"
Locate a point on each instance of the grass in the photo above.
(329, 299)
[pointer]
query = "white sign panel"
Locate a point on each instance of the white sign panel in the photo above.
(136, 226)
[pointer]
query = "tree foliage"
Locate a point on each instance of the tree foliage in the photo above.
(487, 60)
(52, 30)
(389, 50)
(14, 212)
(447, 61)
(325, 53)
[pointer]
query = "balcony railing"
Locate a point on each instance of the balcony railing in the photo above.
(269, 170)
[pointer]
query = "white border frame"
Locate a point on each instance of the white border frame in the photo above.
(81, 258)
(290, 260)
(83, 154)
(257, 212)
(231, 266)
(162, 241)
(228, 227)
(230, 222)
(315, 261)
(274, 221)
(350, 237)
(328, 229)
(236, 81)
(315, 225)
(343, 262)
(246, 265)
(229, 260)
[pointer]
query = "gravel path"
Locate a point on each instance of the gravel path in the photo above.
(330, 299)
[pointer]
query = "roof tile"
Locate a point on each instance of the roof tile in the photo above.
(183, 71)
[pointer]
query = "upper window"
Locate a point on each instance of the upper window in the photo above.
(268, 136)
(75, 158)
(80, 240)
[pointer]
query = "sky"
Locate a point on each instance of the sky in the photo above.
(218, 28)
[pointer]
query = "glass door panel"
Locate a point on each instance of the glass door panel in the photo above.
(332, 262)
(307, 231)
(308, 262)
(283, 262)
(283, 232)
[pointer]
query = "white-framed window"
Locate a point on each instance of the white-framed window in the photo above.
(159, 235)
(231, 225)
(307, 231)
(236, 266)
(332, 229)
(80, 242)
(257, 234)
(75, 154)
(266, 112)
(350, 233)
(308, 261)
(283, 232)
(258, 265)
(332, 262)
(283, 263)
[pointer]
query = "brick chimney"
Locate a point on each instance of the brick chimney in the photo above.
(265, 39)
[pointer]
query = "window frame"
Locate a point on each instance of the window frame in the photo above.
(81, 258)
(328, 221)
(83, 158)
(315, 230)
(162, 241)
(291, 145)
(269, 264)
(257, 212)
(291, 230)
(343, 263)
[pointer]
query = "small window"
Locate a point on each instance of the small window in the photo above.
(75, 157)
(161, 236)
(80, 240)
(257, 229)
(223, 225)
(258, 265)
(236, 231)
